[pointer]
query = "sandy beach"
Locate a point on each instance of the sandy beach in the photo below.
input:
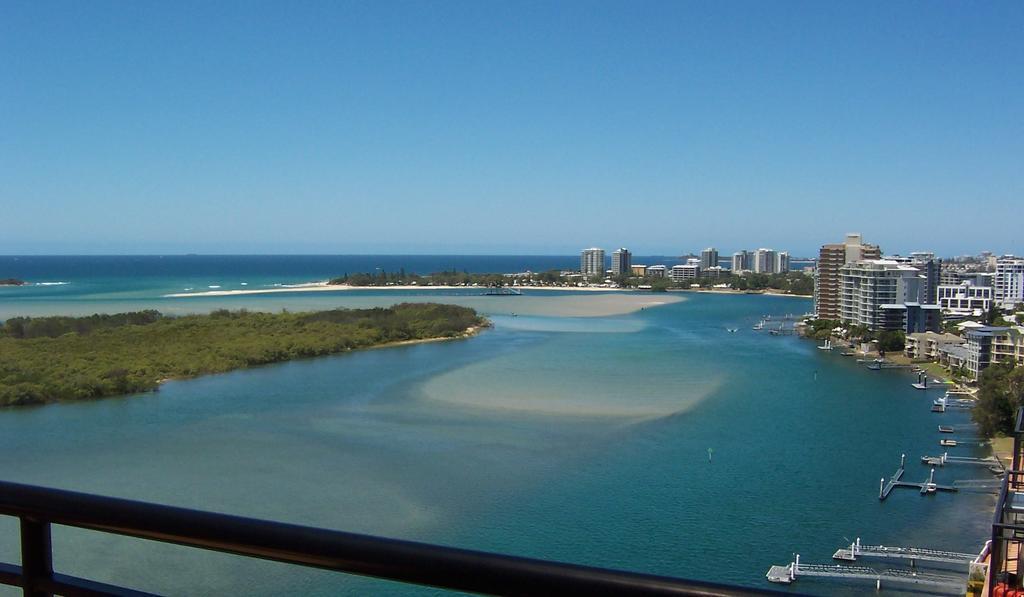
(740, 292)
(325, 287)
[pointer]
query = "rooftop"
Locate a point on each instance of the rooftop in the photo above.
(954, 350)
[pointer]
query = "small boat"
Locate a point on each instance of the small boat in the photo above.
(945, 429)
(874, 366)
(929, 488)
(826, 346)
(949, 443)
(732, 330)
(759, 325)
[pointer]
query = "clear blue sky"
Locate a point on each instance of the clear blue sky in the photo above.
(515, 127)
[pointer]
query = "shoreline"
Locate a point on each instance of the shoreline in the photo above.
(325, 287)
(468, 333)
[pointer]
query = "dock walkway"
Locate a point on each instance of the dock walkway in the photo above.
(915, 554)
(929, 486)
(789, 574)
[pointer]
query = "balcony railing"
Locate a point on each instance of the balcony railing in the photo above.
(405, 561)
(1008, 519)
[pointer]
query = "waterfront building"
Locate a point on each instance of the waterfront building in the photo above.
(979, 348)
(1009, 281)
(964, 299)
(910, 317)
(764, 261)
(742, 261)
(638, 270)
(1008, 347)
(621, 261)
(926, 345)
(592, 262)
(883, 294)
(831, 258)
(709, 258)
(688, 271)
(953, 356)
(987, 345)
(782, 262)
(715, 271)
(656, 271)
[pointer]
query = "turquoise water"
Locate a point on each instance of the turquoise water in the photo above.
(574, 438)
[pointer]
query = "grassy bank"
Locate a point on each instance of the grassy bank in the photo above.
(54, 359)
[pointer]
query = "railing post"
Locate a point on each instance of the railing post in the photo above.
(36, 556)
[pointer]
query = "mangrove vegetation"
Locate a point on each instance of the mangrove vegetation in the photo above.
(50, 359)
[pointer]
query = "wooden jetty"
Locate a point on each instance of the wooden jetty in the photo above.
(914, 554)
(993, 464)
(884, 491)
(925, 487)
(501, 291)
(790, 573)
(879, 364)
(959, 402)
(979, 485)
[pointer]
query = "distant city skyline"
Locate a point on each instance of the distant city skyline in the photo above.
(725, 254)
(467, 128)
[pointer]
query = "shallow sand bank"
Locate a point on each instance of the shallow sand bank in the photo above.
(313, 298)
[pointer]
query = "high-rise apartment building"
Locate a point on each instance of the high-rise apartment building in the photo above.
(709, 258)
(592, 262)
(931, 270)
(884, 294)
(742, 261)
(831, 258)
(764, 261)
(782, 262)
(1009, 281)
(622, 262)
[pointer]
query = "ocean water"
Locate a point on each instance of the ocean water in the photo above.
(583, 439)
(82, 285)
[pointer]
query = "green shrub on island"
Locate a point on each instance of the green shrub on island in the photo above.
(401, 278)
(51, 359)
(51, 327)
(790, 283)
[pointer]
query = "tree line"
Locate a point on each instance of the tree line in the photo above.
(51, 359)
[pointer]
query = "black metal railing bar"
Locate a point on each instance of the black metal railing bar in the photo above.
(391, 559)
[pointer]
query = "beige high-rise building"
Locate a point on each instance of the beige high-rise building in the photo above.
(622, 262)
(592, 262)
(831, 258)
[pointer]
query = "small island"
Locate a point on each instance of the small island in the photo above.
(54, 359)
(11, 282)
